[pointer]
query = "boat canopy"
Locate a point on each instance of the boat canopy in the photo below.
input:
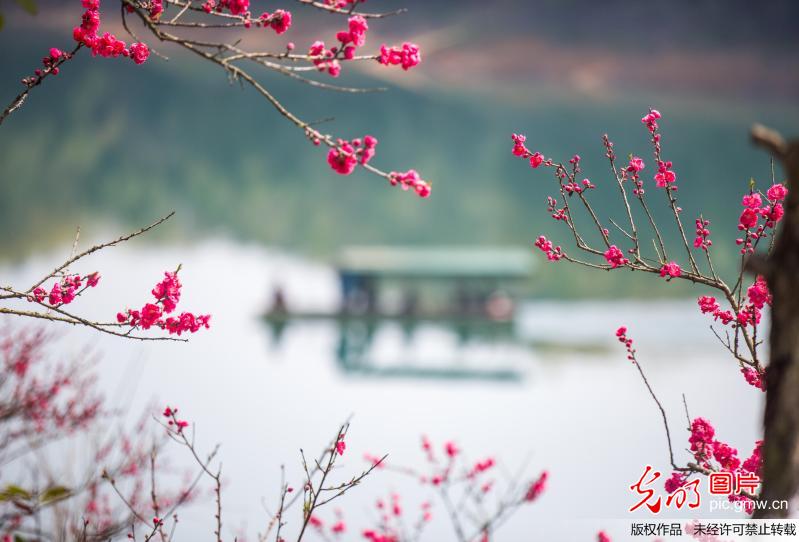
(431, 262)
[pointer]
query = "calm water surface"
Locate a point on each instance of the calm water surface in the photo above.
(580, 412)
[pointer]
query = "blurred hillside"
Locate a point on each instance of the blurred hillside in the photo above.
(110, 142)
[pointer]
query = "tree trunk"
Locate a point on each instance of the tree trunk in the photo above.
(781, 269)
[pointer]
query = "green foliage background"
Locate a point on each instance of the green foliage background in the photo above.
(109, 142)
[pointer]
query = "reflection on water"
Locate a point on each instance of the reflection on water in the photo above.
(574, 405)
(381, 349)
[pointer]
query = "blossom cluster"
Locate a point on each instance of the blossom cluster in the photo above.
(558, 213)
(632, 171)
(38, 399)
(554, 253)
(45, 400)
(615, 257)
(107, 44)
(411, 180)
(455, 478)
(537, 487)
(171, 414)
(65, 290)
(348, 154)
(279, 20)
(407, 55)
(520, 149)
(392, 517)
(167, 296)
(713, 454)
(665, 176)
(621, 335)
(650, 120)
(50, 63)
(441, 474)
(670, 270)
(755, 210)
(757, 295)
(702, 240)
(349, 40)
(235, 7)
(339, 527)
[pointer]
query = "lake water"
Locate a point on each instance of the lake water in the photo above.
(580, 412)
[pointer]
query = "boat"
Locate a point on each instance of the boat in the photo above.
(472, 291)
(418, 284)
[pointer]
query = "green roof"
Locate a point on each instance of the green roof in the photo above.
(436, 262)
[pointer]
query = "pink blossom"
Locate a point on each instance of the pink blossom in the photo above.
(752, 201)
(621, 335)
(341, 446)
(410, 179)
(601, 536)
(671, 270)
(156, 8)
(708, 304)
(186, 322)
(758, 293)
(451, 449)
(675, 482)
(139, 52)
(615, 257)
(39, 293)
(167, 296)
(537, 487)
(67, 292)
(167, 292)
(406, 56)
(150, 314)
(636, 165)
(55, 294)
(754, 378)
(280, 21)
(536, 160)
(92, 279)
(748, 219)
(665, 176)
(342, 158)
(553, 253)
(317, 48)
(356, 33)
(725, 316)
(754, 463)
(236, 7)
(726, 456)
(775, 214)
(701, 439)
(650, 119)
(368, 151)
(519, 148)
(702, 239)
(107, 44)
(481, 466)
(777, 192)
